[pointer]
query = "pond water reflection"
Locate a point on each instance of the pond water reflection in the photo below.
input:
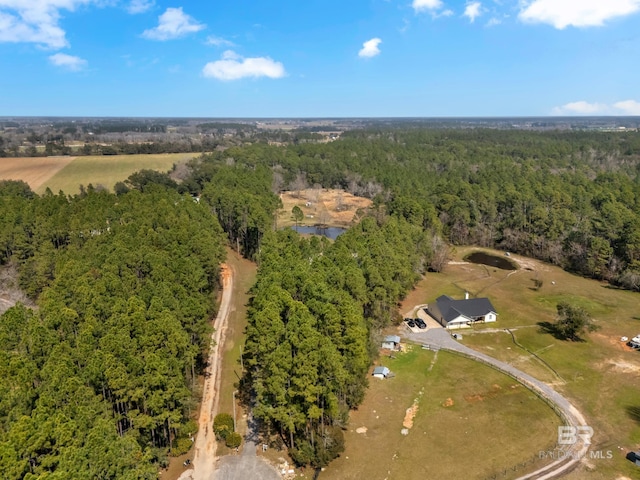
(329, 232)
(491, 260)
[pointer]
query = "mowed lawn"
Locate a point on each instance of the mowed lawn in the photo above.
(471, 422)
(600, 376)
(107, 170)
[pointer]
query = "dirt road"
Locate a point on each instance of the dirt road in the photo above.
(204, 458)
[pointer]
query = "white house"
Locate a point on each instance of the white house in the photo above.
(455, 314)
(391, 342)
(381, 372)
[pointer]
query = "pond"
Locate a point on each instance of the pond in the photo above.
(329, 232)
(491, 260)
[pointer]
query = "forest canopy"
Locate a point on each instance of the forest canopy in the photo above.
(98, 381)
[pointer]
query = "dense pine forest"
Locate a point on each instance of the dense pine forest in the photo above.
(98, 379)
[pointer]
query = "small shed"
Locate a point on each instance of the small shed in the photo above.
(635, 342)
(391, 342)
(381, 372)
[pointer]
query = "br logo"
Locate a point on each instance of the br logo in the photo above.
(569, 435)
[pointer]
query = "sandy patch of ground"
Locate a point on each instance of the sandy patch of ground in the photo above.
(623, 366)
(529, 263)
(326, 206)
(35, 171)
(410, 415)
(361, 430)
(479, 397)
(448, 402)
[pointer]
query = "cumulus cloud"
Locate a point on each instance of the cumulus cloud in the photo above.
(624, 107)
(628, 107)
(235, 67)
(33, 21)
(472, 11)
(68, 62)
(427, 5)
(581, 13)
(370, 48)
(218, 41)
(580, 108)
(140, 6)
(173, 23)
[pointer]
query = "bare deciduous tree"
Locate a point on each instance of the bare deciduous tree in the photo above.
(299, 183)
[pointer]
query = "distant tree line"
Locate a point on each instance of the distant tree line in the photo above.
(569, 198)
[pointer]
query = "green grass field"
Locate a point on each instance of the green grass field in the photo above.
(472, 422)
(601, 376)
(107, 170)
(245, 276)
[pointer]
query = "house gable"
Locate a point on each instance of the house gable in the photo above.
(458, 313)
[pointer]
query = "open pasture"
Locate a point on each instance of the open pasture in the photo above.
(462, 420)
(600, 375)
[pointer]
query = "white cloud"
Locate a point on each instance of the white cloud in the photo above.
(580, 108)
(628, 107)
(35, 21)
(624, 107)
(173, 23)
(493, 22)
(218, 41)
(370, 48)
(473, 10)
(576, 13)
(234, 67)
(424, 5)
(68, 62)
(140, 6)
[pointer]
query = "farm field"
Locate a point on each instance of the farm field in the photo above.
(600, 376)
(107, 170)
(33, 170)
(464, 420)
(332, 207)
(68, 173)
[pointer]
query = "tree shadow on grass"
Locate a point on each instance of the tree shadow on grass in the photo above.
(550, 328)
(634, 413)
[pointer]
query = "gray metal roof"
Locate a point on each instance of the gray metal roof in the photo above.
(381, 371)
(471, 308)
(392, 338)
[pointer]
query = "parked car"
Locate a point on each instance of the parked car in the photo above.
(187, 462)
(410, 322)
(420, 323)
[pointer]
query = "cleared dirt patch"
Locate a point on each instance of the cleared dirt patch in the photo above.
(34, 171)
(321, 206)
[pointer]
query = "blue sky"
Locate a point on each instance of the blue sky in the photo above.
(330, 58)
